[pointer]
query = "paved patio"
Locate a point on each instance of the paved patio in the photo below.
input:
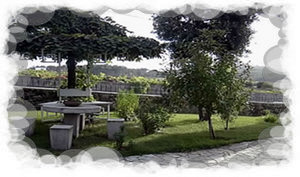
(261, 152)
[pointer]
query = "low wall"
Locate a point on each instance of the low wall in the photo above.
(105, 86)
(260, 101)
(257, 108)
(35, 97)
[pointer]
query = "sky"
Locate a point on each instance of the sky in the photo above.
(265, 36)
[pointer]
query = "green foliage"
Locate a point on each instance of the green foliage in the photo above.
(84, 36)
(180, 30)
(78, 35)
(114, 70)
(40, 73)
(232, 92)
(87, 80)
(270, 117)
(141, 84)
(119, 138)
(88, 99)
(84, 80)
(130, 144)
(127, 104)
(152, 116)
(205, 59)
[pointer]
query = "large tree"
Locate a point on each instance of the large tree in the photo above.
(180, 30)
(204, 55)
(81, 36)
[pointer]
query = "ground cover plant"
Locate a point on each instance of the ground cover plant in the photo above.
(270, 117)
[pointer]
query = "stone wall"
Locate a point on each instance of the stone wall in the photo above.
(266, 97)
(258, 101)
(257, 108)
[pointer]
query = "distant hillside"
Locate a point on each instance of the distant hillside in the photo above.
(262, 74)
(113, 70)
(258, 73)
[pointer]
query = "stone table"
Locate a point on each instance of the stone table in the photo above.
(99, 103)
(71, 114)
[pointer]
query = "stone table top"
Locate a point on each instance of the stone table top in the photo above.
(61, 108)
(83, 103)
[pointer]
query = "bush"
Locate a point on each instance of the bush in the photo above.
(270, 117)
(119, 138)
(152, 116)
(127, 104)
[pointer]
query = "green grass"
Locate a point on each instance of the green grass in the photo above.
(183, 132)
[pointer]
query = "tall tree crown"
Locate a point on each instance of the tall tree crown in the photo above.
(85, 35)
(179, 29)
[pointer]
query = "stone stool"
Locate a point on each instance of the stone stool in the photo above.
(113, 127)
(61, 137)
(30, 129)
(27, 124)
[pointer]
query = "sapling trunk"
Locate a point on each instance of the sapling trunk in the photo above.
(210, 126)
(200, 113)
(227, 124)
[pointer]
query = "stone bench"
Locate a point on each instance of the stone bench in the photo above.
(113, 127)
(27, 124)
(61, 137)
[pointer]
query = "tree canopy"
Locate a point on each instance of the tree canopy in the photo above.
(179, 29)
(81, 36)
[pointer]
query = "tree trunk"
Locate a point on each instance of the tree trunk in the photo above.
(200, 112)
(210, 126)
(227, 124)
(71, 64)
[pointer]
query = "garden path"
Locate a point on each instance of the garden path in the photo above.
(271, 151)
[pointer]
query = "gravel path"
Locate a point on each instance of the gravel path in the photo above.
(261, 152)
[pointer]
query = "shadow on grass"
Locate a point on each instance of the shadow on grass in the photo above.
(182, 122)
(95, 135)
(185, 142)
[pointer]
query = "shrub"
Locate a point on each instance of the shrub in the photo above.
(130, 144)
(84, 80)
(40, 73)
(270, 117)
(152, 116)
(119, 138)
(127, 104)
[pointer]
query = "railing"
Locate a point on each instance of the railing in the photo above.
(104, 86)
(115, 87)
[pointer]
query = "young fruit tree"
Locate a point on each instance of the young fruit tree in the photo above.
(78, 36)
(233, 93)
(205, 59)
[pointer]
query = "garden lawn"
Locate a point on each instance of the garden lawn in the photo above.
(183, 132)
